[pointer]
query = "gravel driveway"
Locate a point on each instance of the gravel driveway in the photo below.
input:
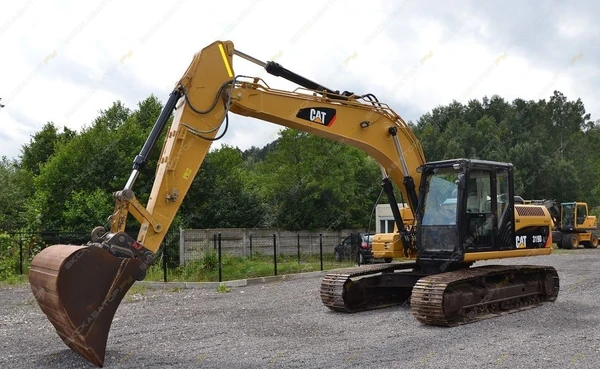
(285, 325)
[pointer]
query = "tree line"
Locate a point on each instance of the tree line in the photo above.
(63, 180)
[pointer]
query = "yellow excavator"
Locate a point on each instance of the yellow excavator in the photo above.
(464, 211)
(572, 223)
(573, 226)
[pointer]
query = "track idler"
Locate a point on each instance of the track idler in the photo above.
(79, 288)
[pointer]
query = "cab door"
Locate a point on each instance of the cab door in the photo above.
(480, 208)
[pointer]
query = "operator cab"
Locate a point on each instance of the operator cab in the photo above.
(573, 215)
(464, 206)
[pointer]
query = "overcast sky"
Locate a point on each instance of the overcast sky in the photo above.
(63, 61)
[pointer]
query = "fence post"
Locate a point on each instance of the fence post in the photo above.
(244, 242)
(321, 249)
(275, 253)
(220, 266)
(298, 248)
(181, 246)
(20, 254)
(165, 255)
(214, 241)
(250, 246)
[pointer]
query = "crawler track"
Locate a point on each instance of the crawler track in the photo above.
(364, 288)
(465, 296)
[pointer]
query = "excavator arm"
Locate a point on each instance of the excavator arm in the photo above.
(80, 287)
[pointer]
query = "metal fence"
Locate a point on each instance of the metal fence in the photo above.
(194, 243)
(218, 246)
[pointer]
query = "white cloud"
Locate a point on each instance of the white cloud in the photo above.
(68, 59)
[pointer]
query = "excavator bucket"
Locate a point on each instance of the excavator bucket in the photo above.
(79, 288)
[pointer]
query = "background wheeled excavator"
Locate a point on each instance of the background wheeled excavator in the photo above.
(572, 224)
(464, 211)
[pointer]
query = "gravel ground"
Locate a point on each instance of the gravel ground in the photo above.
(285, 325)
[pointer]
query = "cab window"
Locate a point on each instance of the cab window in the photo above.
(581, 214)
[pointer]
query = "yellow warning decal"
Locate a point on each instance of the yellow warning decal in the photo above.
(229, 72)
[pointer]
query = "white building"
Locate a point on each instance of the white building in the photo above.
(384, 219)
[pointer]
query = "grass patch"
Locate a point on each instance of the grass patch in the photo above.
(237, 267)
(223, 289)
(139, 289)
(14, 279)
(136, 289)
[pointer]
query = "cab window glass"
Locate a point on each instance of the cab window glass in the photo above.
(581, 214)
(501, 192)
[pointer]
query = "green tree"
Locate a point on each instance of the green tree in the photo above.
(99, 157)
(86, 208)
(16, 186)
(220, 195)
(311, 182)
(113, 117)
(42, 146)
(549, 142)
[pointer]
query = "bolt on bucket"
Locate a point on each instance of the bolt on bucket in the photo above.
(79, 288)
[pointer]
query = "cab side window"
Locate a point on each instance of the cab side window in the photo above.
(581, 214)
(479, 209)
(479, 187)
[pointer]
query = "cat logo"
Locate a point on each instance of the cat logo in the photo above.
(317, 116)
(324, 116)
(521, 242)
